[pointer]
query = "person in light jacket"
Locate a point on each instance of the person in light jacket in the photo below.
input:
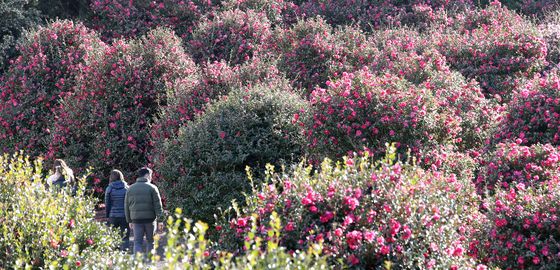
(142, 209)
(114, 205)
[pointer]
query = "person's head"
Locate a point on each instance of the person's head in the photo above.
(60, 163)
(144, 172)
(116, 175)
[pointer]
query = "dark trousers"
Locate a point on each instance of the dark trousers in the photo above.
(120, 222)
(141, 230)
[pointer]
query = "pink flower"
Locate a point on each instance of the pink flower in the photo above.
(290, 226)
(384, 250)
(369, 236)
(89, 241)
(338, 232)
(354, 239)
(353, 259)
(351, 202)
(406, 233)
(241, 222)
(326, 217)
(222, 135)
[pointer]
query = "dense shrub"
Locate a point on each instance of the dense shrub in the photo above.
(15, 16)
(51, 60)
(311, 52)
(362, 110)
(205, 169)
(522, 232)
(105, 124)
(127, 19)
(279, 12)
(534, 113)
(191, 97)
(232, 35)
(368, 215)
(408, 55)
(42, 228)
(495, 46)
(531, 8)
(550, 29)
(447, 159)
(511, 164)
(376, 14)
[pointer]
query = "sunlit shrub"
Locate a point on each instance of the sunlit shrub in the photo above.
(204, 169)
(52, 58)
(367, 214)
(41, 227)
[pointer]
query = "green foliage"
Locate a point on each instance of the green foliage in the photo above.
(205, 168)
(186, 247)
(15, 16)
(43, 228)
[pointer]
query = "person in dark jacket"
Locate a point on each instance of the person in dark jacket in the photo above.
(114, 205)
(142, 209)
(63, 176)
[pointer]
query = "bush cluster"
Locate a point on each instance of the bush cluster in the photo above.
(534, 113)
(495, 46)
(232, 35)
(368, 214)
(101, 126)
(204, 168)
(52, 60)
(42, 228)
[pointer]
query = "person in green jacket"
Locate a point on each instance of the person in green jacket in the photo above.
(142, 209)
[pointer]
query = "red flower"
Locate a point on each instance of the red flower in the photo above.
(326, 217)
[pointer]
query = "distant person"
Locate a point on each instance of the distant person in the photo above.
(63, 176)
(114, 206)
(142, 209)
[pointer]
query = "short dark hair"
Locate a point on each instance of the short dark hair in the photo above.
(143, 171)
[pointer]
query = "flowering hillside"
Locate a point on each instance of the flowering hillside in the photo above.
(365, 134)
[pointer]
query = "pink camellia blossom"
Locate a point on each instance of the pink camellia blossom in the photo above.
(338, 232)
(326, 217)
(290, 226)
(353, 259)
(222, 135)
(351, 202)
(353, 239)
(241, 222)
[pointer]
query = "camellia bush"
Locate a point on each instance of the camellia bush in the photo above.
(52, 59)
(46, 228)
(105, 124)
(360, 111)
(534, 113)
(522, 227)
(204, 169)
(510, 164)
(495, 46)
(232, 35)
(550, 29)
(115, 19)
(312, 51)
(14, 17)
(279, 12)
(377, 14)
(367, 214)
(190, 98)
